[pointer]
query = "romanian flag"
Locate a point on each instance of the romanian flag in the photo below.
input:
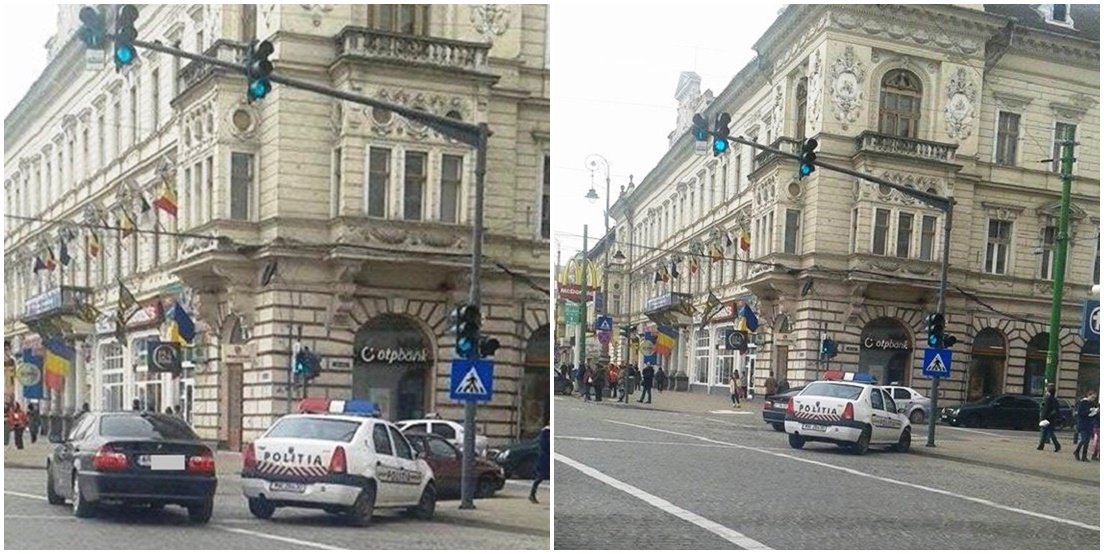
(745, 240)
(181, 326)
(167, 201)
(57, 363)
(126, 223)
(665, 339)
(51, 261)
(94, 246)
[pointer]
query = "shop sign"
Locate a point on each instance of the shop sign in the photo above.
(658, 302)
(370, 354)
(884, 343)
(573, 313)
(1090, 320)
(573, 292)
(164, 357)
(49, 301)
(147, 315)
(238, 353)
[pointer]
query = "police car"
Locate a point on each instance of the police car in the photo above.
(337, 456)
(847, 410)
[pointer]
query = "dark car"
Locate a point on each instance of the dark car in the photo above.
(447, 462)
(1015, 411)
(519, 460)
(774, 408)
(563, 381)
(137, 458)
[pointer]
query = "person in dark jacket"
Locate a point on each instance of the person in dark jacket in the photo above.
(1049, 413)
(661, 380)
(1084, 415)
(544, 462)
(34, 420)
(648, 377)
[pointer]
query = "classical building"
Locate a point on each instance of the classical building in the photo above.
(957, 100)
(302, 219)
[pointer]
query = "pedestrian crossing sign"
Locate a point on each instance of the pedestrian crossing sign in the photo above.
(937, 362)
(472, 380)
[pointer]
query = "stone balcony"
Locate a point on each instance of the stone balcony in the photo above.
(197, 71)
(877, 143)
(372, 44)
(785, 144)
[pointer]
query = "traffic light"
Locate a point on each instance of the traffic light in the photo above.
(307, 364)
(936, 322)
(257, 70)
(701, 134)
(488, 346)
(466, 320)
(125, 33)
(949, 341)
(94, 31)
(828, 349)
(720, 134)
(808, 156)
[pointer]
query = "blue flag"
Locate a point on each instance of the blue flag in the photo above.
(34, 390)
(185, 327)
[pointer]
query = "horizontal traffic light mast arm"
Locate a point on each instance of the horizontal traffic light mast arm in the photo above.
(468, 133)
(941, 202)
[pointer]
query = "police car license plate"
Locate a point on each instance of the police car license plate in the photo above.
(287, 487)
(814, 427)
(161, 462)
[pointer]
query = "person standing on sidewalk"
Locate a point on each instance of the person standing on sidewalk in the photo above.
(544, 463)
(1049, 414)
(19, 423)
(647, 379)
(661, 380)
(611, 377)
(599, 376)
(1084, 426)
(734, 388)
(7, 422)
(771, 386)
(586, 378)
(34, 419)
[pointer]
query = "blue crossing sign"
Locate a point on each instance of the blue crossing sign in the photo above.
(937, 362)
(604, 323)
(472, 380)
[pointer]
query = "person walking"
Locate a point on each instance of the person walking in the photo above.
(1084, 415)
(661, 380)
(647, 379)
(612, 377)
(19, 423)
(599, 376)
(1049, 419)
(1095, 412)
(771, 386)
(34, 419)
(7, 422)
(586, 379)
(544, 462)
(734, 388)
(85, 408)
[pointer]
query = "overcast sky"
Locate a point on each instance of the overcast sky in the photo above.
(27, 27)
(614, 73)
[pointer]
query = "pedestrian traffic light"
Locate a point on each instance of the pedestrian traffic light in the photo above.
(302, 361)
(720, 134)
(808, 156)
(257, 70)
(125, 33)
(94, 31)
(949, 341)
(828, 349)
(936, 322)
(466, 321)
(488, 346)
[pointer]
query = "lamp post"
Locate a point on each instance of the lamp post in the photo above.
(594, 162)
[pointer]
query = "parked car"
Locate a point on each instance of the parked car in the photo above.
(450, 430)
(563, 382)
(133, 458)
(447, 463)
(519, 460)
(916, 406)
(774, 408)
(1015, 411)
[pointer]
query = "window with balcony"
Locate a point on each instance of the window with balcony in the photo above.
(1008, 138)
(452, 170)
(793, 229)
(997, 246)
(881, 231)
(379, 178)
(1061, 131)
(409, 19)
(414, 180)
(1046, 252)
(241, 184)
(799, 109)
(927, 237)
(904, 234)
(899, 112)
(546, 199)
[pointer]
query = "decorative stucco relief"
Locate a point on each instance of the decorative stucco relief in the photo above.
(961, 105)
(846, 81)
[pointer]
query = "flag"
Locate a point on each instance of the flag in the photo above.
(127, 305)
(51, 261)
(89, 313)
(663, 274)
(711, 304)
(126, 223)
(65, 258)
(181, 326)
(57, 363)
(674, 270)
(748, 320)
(745, 240)
(167, 200)
(728, 241)
(715, 253)
(145, 204)
(693, 265)
(39, 265)
(666, 338)
(93, 244)
(658, 277)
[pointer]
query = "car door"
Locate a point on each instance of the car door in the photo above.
(877, 415)
(1003, 412)
(387, 466)
(894, 418)
(409, 476)
(1027, 414)
(66, 453)
(446, 464)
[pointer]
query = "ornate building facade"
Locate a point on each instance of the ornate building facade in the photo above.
(362, 218)
(958, 100)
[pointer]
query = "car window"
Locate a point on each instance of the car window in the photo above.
(1026, 404)
(902, 394)
(417, 443)
(402, 448)
(834, 390)
(440, 448)
(380, 440)
(443, 429)
(890, 405)
(80, 432)
(314, 428)
(876, 399)
(146, 426)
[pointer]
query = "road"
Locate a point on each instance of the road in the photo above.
(31, 523)
(669, 480)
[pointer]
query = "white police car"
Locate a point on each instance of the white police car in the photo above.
(338, 457)
(846, 412)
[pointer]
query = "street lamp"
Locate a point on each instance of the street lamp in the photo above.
(593, 163)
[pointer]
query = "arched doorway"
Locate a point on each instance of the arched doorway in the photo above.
(535, 383)
(885, 349)
(987, 364)
(1035, 364)
(232, 405)
(392, 367)
(1088, 368)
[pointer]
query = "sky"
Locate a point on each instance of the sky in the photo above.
(614, 73)
(26, 27)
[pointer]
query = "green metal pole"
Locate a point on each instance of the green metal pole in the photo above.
(1060, 260)
(583, 317)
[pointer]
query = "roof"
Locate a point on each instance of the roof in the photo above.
(1086, 19)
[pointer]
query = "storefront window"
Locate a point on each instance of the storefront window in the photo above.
(1035, 364)
(701, 358)
(112, 376)
(726, 359)
(391, 366)
(885, 351)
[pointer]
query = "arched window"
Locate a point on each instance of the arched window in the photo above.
(799, 109)
(900, 104)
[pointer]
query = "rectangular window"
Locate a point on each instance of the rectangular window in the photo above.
(133, 254)
(737, 167)
(86, 163)
(701, 365)
(1061, 131)
(904, 235)
(881, 231)
(208, 207)
(452, 170)
(186, 206)
(155, 101)
(117, 121)
(241, 184)
(793, 227)
(546, 199)
(414, 180)
(197, 195)
(724, 181)
(1008, 138)
(996, 252)
(379, 177)
(927, 237)
(1046, 256)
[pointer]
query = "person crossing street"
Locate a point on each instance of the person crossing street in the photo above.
(648, 377)
(1049, 417)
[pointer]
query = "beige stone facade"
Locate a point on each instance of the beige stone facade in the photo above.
(953, 100)
(366, 216)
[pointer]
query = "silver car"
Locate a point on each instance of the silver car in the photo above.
(911, 403)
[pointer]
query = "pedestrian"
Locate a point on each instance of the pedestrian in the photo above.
(34, 419)
(599, 378)
(178, 412)
(771, 386)
(7, 422)
(661, 380)
(612, 376)
(734, 388)
(586, 378)
(136, 405)
(1096, 429)
(168, 411)
(18, 423)
(544, 465)
(85, 408)
(648, 376)
(1049, 419)
(1084, 414)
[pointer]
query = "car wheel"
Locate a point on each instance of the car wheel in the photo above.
(200, 512)
(261, 508)
(82, 508)
(427, 504)
(52, 496)
(779, 427)
(486, 487)
(904, 442)
(797, 441)
(860, 447)
(360, 514)
(972, 421)
(917, 417)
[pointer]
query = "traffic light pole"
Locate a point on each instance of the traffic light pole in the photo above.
(467, 470)
(1060, 262)
(941, 306)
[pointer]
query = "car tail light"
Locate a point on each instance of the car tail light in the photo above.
(767, 405)
(249, 458)
(848, 412)
(337, 462)
(107, 459)
(790, 407)
(203, 463)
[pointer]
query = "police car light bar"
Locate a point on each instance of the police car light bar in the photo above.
(834, 375)
(349, 407)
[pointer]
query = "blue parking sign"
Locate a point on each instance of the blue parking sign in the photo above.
(1090, 320)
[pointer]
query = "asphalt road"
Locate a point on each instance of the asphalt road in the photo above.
(31, 523)
(642, 479)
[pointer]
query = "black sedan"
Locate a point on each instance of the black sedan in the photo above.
(1016, 411)
(774, 408)
(519, 460)
(134, 458)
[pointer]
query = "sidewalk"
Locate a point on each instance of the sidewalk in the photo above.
(1008, 450)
